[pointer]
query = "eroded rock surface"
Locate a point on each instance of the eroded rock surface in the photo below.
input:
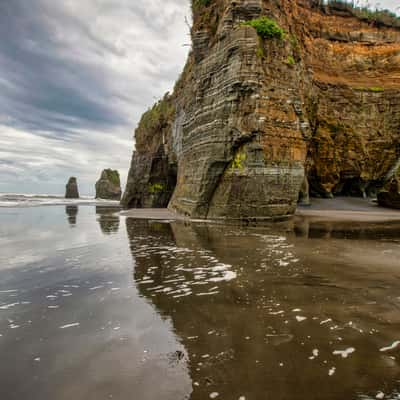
(152, 175)
(109, 185)
(249, 115)
(389, 196)
(71, 189)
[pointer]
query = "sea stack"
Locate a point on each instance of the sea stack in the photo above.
(71, 189)
(109, 185)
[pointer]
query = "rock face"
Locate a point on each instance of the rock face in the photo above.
(251, 115)
(109, 185)
(71, 189)
(152, 175)
(389, 196)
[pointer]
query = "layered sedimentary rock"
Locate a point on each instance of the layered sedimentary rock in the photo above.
(71, 189)
(109, 185)
(253, 120)
(354, 105)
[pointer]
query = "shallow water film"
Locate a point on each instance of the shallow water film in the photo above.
(98, 306)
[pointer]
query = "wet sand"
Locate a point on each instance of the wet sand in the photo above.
(97, 306)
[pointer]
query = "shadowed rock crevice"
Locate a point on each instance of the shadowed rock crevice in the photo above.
(153, 170)
(151, 182)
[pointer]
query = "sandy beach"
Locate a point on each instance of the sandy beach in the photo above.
(337, 209)
(152, 213)
(348, 209)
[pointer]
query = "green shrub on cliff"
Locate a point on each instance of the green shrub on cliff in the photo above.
(375, 16)
(290, 60)
(154, 124)
(155, 115)
(113, 176)
(156, 187)
(376, 89)
(266, 28)
(238, 160)
(204, 3)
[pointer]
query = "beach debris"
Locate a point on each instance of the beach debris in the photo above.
(344, 353)
(73, 325)
(391, 347)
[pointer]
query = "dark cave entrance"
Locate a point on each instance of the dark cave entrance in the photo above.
(162, 182)
(356, 187)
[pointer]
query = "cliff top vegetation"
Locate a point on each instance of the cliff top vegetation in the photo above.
(377, 16)
(113, 176)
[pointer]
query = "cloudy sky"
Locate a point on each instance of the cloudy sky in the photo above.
(75, 76)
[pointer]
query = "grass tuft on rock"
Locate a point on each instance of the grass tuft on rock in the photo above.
(290, 60)
(113, 176)
(156, 187)
(266, 28)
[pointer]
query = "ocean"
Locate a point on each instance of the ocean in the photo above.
(32, 200)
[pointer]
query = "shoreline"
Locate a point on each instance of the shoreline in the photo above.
(343, 209)
(347, 209)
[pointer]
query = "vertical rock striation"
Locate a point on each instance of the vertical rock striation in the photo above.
(256, 119)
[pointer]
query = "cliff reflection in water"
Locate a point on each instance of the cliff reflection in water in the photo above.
(72, 212)
(108, 219)
(287, 311)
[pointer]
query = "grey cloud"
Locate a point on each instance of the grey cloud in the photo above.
(56, 60)
(75, 77)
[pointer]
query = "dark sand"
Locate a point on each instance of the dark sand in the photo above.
(348, 209)
(152, 213)
(338, 209)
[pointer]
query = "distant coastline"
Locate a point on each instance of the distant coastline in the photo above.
(8, 200)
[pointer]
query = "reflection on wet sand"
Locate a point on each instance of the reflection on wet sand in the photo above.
(72, 323)
(72, 212)
(108, 219)
(288, 311)
(314, 229)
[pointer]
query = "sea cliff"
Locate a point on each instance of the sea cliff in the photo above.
(276, 97)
